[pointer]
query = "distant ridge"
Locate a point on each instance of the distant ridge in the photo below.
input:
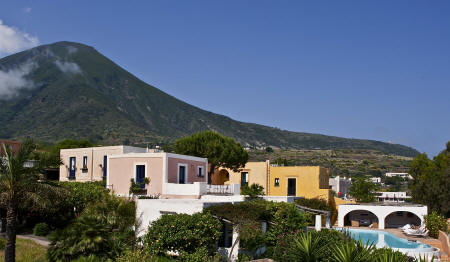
(69, 90)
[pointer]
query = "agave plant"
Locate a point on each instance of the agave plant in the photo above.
(353, 252)
(389, 255)
(309, 247)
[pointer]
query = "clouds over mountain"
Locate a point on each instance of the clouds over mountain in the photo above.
(13, 40)
(12, 80)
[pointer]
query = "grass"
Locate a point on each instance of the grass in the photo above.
(27, 251)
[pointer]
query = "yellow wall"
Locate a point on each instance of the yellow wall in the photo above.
(312, 181)
(257, 174)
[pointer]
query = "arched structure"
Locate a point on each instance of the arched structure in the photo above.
(220, 177)
(401, 218)
(360, 218)
(382, 212)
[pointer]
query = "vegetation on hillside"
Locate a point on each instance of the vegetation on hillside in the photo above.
(106, 104)
(342, 162)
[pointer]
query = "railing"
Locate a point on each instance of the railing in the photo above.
(233, 189)
(200, 188)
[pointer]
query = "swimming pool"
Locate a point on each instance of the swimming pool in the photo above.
(385, 239)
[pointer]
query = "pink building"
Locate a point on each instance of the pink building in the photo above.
(170, 175)
(90, 164)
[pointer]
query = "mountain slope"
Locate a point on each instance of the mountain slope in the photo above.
(69, 90)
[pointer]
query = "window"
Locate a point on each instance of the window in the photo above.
(399, 213)
(244, 179)
(200, 171)
(277, 181)
(140, 175)
(85, 162)
(72, 167)
(182, 174)
(105, 167)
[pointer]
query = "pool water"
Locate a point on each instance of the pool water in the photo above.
(385, 239)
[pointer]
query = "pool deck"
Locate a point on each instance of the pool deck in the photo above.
(426, 240)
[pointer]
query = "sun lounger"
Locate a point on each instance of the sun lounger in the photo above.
(418, 234)
(407, 226)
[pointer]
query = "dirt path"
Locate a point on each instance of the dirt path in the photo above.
(39, 240)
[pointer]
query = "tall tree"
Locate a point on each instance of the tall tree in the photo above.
(363, 190)
(20, 186)
(220, 150)
(431, 181)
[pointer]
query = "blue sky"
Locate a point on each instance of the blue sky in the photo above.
(363, 69)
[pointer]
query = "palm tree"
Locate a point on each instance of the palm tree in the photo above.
(20, 186)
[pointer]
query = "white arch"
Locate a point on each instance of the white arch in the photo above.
(381, 211)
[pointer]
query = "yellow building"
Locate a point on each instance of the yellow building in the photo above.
(252, 173)
(302, 181)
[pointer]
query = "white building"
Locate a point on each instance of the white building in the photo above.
(149, 210)
(402, 175)
(340, 185)
(381, 215)
(376, 180)
(392, 196)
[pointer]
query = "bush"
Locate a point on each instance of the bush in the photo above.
(200, 255)
(183, 233)
(41, 229)
(314, 203)
(434, 223)
(285, 218)
(252, 191)
(141, 255)
(105, 230)
(2, 243)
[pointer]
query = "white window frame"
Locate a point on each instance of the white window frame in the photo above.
(186, 173)
(198, 171)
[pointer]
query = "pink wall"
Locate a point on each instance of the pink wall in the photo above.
(122, 169)
(191, 170)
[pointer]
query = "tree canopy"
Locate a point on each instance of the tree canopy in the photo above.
(431, 181)
(363, 190)
(219, 149)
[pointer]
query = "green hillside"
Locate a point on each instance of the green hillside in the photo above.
(73, 91)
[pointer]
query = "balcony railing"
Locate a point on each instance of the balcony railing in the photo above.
(200, 188)
(233, 189)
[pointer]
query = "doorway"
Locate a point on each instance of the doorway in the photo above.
(292, 187)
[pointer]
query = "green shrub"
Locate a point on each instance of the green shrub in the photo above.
(41, 229)
(2, 243)
(141, 255)
(183, 233)
(434, 223)
(387, 254)
(252, 191)
(200, 255)
(105, 230)
(314, 203)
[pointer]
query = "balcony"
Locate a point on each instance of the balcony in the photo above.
(198, 189)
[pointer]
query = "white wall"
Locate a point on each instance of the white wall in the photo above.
(149, 210)
(381, 211)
